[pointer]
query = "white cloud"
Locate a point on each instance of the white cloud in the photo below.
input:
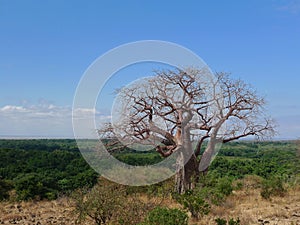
(46, 120)
(12, 108)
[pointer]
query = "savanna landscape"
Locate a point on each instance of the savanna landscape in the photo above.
(150, 112)
(48, 182)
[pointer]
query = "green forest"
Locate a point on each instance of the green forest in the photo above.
(49, 168)
(42, 168)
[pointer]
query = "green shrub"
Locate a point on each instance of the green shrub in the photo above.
(194, 203)
(273, 187)
(213, 189)
(221, 221)
(224, 186)
(234, 222)
(166, 216)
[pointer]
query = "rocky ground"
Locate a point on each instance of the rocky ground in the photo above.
(38, 212)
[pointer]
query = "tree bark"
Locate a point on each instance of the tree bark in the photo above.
(187, 175)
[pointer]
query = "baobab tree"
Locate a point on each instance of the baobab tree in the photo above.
(177, 111)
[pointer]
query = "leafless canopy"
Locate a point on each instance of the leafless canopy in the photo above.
(176, 107)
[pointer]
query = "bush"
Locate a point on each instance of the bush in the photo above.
(5, 187)
(134, 210)
(272, 187)
(213, 189)
(221, 221)
(193, 202)
(166, 216)
(224, 186)
(103, 202)
(234, 222)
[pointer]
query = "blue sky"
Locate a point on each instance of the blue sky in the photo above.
(45, 47)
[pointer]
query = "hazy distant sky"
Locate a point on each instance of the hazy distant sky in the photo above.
(45, 47)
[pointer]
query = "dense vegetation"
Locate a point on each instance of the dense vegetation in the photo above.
(36, 169)
(265, 159)
(42, 168)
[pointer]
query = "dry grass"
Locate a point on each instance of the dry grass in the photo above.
(247, 204)
(37, 212)
(251, 208)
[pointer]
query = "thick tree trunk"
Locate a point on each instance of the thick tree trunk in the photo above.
(187, 166)
(187, 175)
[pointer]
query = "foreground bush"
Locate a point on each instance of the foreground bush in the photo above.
(166, 216)
(194, 203)
(221, 221)
(134, 210)
(110, 203)
(101, 203)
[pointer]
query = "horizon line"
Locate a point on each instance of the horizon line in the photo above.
(37, 137)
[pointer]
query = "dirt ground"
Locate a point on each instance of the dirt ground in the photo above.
(245, 204)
